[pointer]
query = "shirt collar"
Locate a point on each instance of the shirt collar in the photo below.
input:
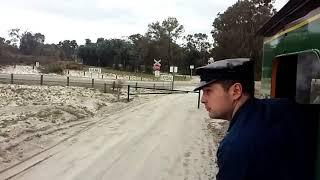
(245, 106)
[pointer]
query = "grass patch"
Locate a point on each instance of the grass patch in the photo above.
(182, 78)
(138, 75)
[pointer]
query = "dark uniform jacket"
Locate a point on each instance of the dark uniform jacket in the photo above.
(268, 140)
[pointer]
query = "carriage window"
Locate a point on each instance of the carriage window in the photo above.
(308, 79)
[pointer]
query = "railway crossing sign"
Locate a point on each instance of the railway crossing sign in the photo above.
(156, 67)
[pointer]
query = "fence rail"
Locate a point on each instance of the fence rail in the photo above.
(55, 80)
(103, 85)
(161, 91)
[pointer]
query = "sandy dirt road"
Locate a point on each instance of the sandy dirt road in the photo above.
(166, 138)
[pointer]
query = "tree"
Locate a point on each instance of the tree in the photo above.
(141, 45)
(39, 38)
(30, 44)
(106, 52)
(88, 41)
(234, 31)
(166, 34)
(2, 40)
(52, 50)
(198, 48)
(69, 48)
(2, 43)
(15, 36)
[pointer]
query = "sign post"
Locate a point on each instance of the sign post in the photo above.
(191, 68)
(173, 70)
(156, 68)
(95, 70)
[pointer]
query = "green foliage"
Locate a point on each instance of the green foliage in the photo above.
(69, 48)
(196, 50)
(166, 35)
(115, 53)
(234, 31)
(52, 68)
(234, 34)
(138, 52)
(182, 78)
(15, 36)
(2, 40)
(30, 44)
(74, 66)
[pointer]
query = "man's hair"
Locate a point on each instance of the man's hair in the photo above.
(247, 85)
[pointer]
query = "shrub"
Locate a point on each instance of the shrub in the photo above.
(52, 68)
(74, 66)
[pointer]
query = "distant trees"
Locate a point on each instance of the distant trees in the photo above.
(234, 34)
(139, 50)
(166, 34)
(29, 47)
(31, 44)
(198, 47)
(68, 48)
(15, 36)
(115, 53)
(136, 53)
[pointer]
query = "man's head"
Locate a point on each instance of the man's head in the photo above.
(226, 85)
(222, 97)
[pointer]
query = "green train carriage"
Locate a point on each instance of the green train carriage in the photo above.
(291, 60)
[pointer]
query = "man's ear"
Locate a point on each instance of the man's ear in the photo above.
(236, 91)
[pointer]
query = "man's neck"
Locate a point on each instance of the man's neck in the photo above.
(239, 103)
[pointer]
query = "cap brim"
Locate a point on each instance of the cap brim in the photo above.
(203, 84)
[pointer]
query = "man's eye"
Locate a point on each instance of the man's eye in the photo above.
(206, 91)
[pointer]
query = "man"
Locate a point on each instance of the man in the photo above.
(266, 139)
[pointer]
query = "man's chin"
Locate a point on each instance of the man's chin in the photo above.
(216, 116)
(213, 116)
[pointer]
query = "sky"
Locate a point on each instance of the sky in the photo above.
(80, 19)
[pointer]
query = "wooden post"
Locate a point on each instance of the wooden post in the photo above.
(113, 85)
(136, 85)
(11, 78)
(172, 82)
(68, 81)
(116, 76)
(102, 76)
(41, 79)
(92, 83)
(84, 73)
(199, 99)
(128, 93)
(105, 88)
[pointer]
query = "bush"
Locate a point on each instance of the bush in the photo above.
(52, 68)
(74, 66)
(182, 78)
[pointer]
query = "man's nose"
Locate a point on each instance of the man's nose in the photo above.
(203, 98)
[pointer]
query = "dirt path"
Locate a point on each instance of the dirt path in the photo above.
(163, 139)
